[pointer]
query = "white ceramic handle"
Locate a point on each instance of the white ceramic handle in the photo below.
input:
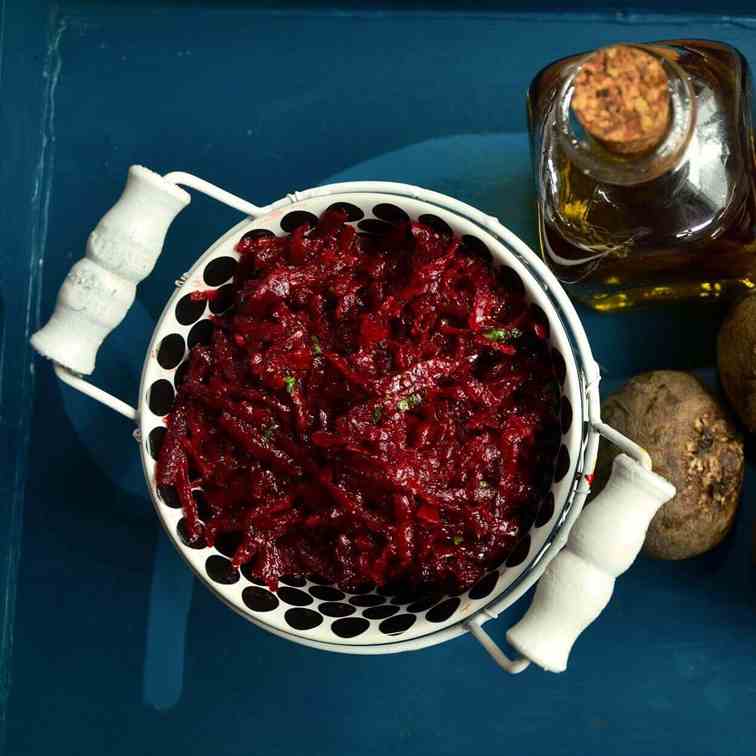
(100, 288)
(578, 583)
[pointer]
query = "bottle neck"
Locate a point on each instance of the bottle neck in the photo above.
(595, 160)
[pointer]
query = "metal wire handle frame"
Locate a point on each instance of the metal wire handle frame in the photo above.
(597, 428)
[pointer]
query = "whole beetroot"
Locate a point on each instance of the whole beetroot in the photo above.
(693, 443)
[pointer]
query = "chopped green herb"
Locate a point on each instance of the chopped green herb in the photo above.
(290, 382)
(267, 432)
(409, 402)
(458, 539)
(316, 345)
(377, 412)
(503, 335)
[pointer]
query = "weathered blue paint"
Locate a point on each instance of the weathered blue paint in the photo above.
(110, 652)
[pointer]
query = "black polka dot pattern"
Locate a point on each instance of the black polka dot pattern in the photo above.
(373, 226)
(198, 542)
(258, 233)
(220, 570)
(541, 322)
(562, 463)
(364, 588)
(201, 333)
(399, 624)
(294, 580)
(444, 610)
(303, 619)
(390, 213)
(189, 310)
(350, 627)
(519, 553)
(380, 612)
(389, 590)
(171, 351)
(439, 225)
(318, 580)
(203, 508)
(246, 570)
(484, 586)
(169, 496)
(223, 299)
(402, 599)
(297, 218)
(219, 270)
(546, 510)
(258, 599)
(155, 441)
(161, 397)
(294, 596)
(228, 543)
(426, 602)
(471, 245)
(180, 374)
(560, 367)
(326, 593)
(510, 279)
(565, 414)
(369, 599)
(336, 609)
(352, 212)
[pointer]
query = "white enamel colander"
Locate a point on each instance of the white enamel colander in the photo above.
(574, 556)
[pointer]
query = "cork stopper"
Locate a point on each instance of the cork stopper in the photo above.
(621, 98)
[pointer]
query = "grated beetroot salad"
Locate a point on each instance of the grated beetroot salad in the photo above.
(371, 409)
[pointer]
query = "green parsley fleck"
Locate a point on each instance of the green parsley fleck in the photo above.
(316, 345)
(503, 335)
(290, 382)
(409, 402)
(267, 432)
(377, 412)
(458, 539)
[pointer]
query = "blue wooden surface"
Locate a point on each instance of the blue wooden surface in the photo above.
(106, 642)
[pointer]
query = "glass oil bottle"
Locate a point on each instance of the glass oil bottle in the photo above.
(644, 163)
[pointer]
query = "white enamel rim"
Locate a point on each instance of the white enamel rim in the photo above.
(580, 387)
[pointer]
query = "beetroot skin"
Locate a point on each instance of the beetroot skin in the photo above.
(372, 409)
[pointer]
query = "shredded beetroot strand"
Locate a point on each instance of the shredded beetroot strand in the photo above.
(370, 410)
